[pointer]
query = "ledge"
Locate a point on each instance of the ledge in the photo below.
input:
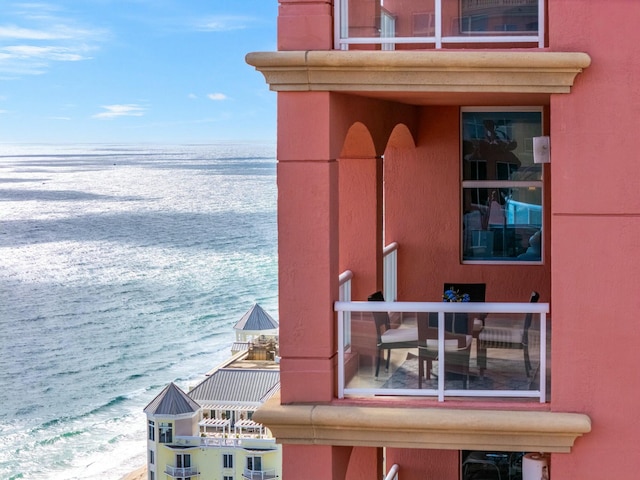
(435, 428)
(420, 71)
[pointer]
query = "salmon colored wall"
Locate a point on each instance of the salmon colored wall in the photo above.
(305, 25)
(365, 463)
(596, 212)
(440, 464)
(315, 462)
(361, 223)
(423, 216)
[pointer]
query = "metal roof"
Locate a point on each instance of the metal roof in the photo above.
(171, 401)
(256, 319)
(230, 385)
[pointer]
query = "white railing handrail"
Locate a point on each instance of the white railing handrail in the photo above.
(344, 308)
(393, 472)
(445, 307)
(344, 277)
(181, 471)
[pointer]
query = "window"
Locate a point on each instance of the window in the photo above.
(183, 460)
(423, 23)
(254, 464)
(166, 432)
(502, 187)
(152, 430)
(227, 460)
(152, 475)
(481, 464)
(499, 18)
(227, 477)
(151, 457)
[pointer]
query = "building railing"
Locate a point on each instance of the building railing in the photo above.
(490, 371)
(390, 272)
(344, 282)
(181, 472)
(393, 472)
(437, 23)
(259, 474)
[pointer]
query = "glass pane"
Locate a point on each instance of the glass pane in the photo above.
(502, 224)
(495, 17)
(499, 145)
(390, 18)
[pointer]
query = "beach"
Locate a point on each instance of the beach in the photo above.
(138, 474)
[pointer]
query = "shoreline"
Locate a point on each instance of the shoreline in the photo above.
(137, 474)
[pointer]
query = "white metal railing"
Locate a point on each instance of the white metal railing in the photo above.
(428, 26)
(538, 309)
(181, 472)
(393, 472)
(390, 272)
(345, 296)
(260, 474)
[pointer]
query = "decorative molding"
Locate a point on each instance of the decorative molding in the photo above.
(435, 428)
(420, 71)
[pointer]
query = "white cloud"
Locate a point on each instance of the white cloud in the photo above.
(24, 52)
(216, 96)
(224, 23)
(127, 110)
(33, 36)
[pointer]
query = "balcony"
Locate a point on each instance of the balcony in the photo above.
(221, 441)
(181, 472)
(394, 24)
(482, 361)
(259, 474)
(440, 349)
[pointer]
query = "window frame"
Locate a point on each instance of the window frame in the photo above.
(500, 184)
(227, 460)
(151, 430)
(165, 432)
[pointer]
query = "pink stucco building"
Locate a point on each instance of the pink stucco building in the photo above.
(416, 130)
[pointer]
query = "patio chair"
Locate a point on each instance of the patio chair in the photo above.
(511, 337)
(457, 350)
(389, 338)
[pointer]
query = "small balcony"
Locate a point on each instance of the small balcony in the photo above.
(440, 349)
(181, 472)
(423, 24)
(259, 474)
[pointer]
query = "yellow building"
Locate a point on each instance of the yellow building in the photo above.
(208, 433)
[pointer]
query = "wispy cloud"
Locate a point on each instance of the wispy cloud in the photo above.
(225, 23)
(35, 35)
(126, 110)
(216, 97)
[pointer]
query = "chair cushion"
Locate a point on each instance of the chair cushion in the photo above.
(395, 335)
(449, 344)
(501, 335)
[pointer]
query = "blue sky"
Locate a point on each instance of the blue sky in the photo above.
(149, 71)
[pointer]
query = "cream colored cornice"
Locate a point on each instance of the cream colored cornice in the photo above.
(420, 71)
(436, 428)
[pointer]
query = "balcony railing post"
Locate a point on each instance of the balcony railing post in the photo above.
(390, 272)
(341, 377)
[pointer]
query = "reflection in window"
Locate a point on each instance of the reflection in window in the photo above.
(501, 186)
(165, 430)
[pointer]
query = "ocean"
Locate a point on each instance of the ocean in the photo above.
(122, 268)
